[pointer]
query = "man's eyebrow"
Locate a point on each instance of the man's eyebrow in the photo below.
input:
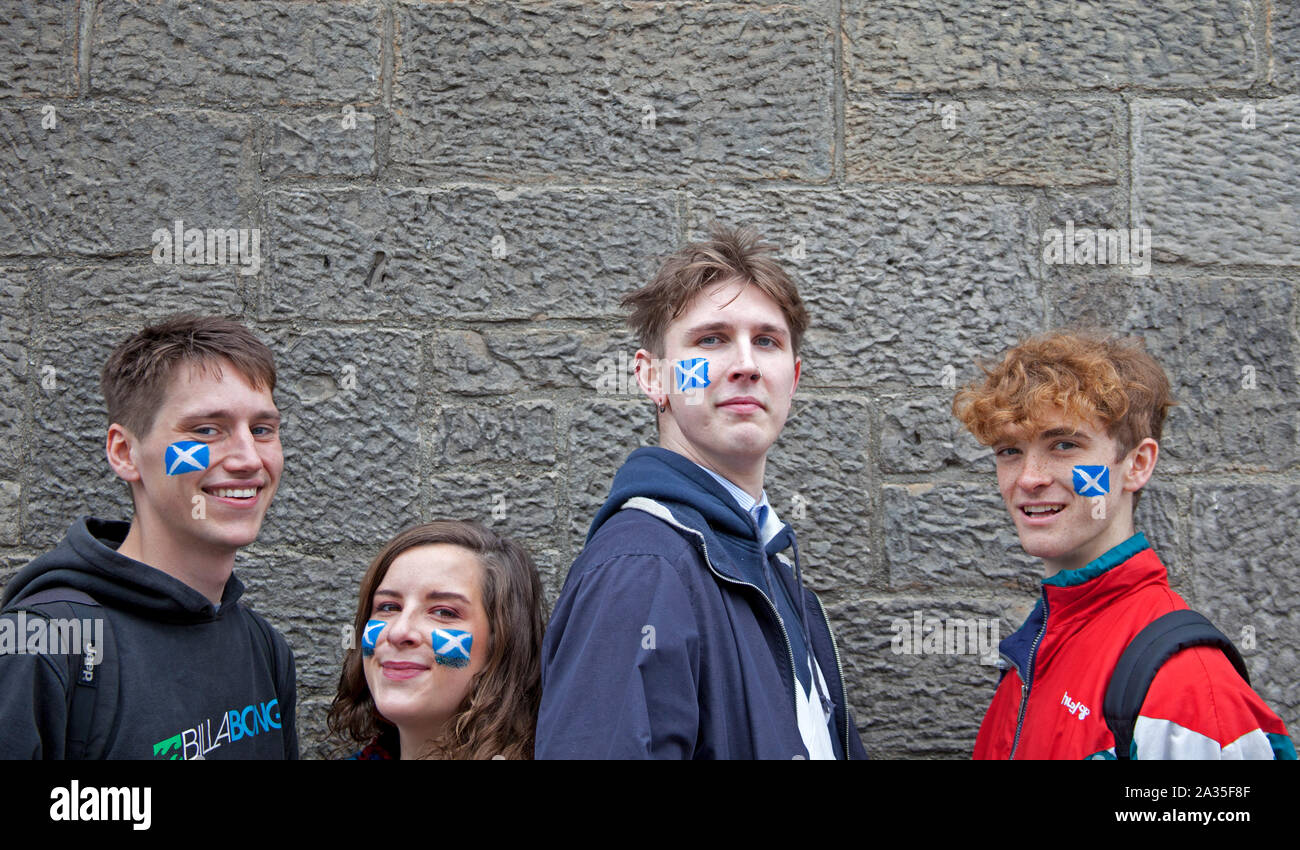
(260, 416)
(766, 328)
(1062, 432)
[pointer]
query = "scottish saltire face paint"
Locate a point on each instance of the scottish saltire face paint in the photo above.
(451, 647)
(185, 456)
(1092, 480)
(691, 373)
(370, 636)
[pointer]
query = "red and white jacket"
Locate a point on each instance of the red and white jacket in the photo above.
(1048, 704)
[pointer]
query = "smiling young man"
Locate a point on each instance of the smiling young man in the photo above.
(681, 631)
(178, 669)
(1075, 420)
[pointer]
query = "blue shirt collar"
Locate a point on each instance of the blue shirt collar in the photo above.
(769, 524)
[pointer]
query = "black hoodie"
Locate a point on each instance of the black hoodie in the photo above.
(189, 680)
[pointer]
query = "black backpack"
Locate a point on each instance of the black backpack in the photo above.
(1145, 655)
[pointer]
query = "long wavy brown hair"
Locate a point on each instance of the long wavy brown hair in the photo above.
(499, 714)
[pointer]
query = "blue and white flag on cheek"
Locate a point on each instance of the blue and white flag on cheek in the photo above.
(370, 636)
(451, 647)
(1092, 480)
(186, 456)
(692, 373)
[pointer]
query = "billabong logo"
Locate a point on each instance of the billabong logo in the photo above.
(236, 724)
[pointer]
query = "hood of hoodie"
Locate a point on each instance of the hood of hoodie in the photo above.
(692, 495)
(87, 559)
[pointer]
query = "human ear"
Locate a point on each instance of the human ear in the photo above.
(649, 376)
(1140, 463)
(120, 449)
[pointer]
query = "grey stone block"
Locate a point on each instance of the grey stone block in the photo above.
(11, 493)
(465, 251)
(144, 292)
(38, 48)
(910, 704)
(270, 54)
(14, 325)
(522, 506)
(1057, 44)
(897, 281)
(601, 434)
(1245, 580)
(518, 433)
(948, 534)
(672, 92)
(922, 435)
(1213, 191)
(67, 474)
(1284, 23)
(1227, 347)
(351, 437)
(103, 182)
(819, 481)
(493, 361)
(1009, 142)
(331, 144)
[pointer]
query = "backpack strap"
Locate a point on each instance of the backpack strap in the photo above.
(81, 669)
(1146, 654)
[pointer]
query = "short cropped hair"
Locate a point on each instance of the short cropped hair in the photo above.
(729, 253)
(135, 378)
(1084, 373)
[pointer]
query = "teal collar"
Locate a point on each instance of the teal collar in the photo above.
(1089, 571)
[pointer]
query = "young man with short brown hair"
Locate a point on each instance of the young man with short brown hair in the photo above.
(178, 667)
(681, 631)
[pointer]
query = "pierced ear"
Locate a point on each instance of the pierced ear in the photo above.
(649, 375)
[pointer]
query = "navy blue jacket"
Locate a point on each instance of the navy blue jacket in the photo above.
(663, 645)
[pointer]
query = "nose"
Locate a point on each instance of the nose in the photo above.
(744, 367)
(403, 630)
(1034, 473)
(241, 451)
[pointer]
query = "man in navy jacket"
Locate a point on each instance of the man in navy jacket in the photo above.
(682, 631)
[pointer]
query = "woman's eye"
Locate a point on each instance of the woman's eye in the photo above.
(386, 608)
(445, 612)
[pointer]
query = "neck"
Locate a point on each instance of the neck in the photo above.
(419, 743)
(203, 568)
(1118, 532)
(745, 472)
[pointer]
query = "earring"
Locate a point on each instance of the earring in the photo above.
(663, 407)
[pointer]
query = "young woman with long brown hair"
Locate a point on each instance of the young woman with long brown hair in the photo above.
(450, 620)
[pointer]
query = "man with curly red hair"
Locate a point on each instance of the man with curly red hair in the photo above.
(1075, 421)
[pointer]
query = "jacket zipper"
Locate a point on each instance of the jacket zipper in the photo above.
(844, 696)
(1024, 686)
(789, 650)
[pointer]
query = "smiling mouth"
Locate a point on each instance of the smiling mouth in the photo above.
(242, 494)
(1041, 510)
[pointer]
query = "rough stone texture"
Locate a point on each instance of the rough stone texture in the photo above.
(38, 48)
(1284, 19)
(101, 182)
(272, 54)
(946, 534)
(922, 435)
(678, 92)
(1009, 142)
(818, 480)
(522, 432)
(153, 291)
(1213, 191)
(468, 251)
(14, 286)
(10, 497)
(910, 705)
(67, 474)
(601, 434)
(351, 437)
(521, 505)
(1246, 568)
(521, 362)
(1057, 44)
(332, 144)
